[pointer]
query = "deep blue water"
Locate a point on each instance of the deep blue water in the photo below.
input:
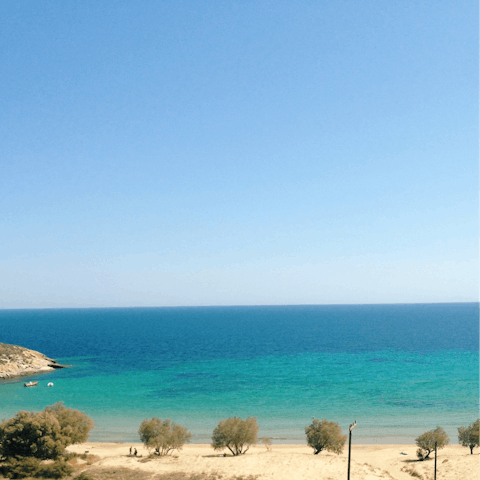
(396, 369)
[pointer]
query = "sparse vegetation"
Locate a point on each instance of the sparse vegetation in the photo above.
(325, 435)
(267, 442)
(412, 472)
(84, 476)
(468, 436)
(16, 360)
(415, 474)
(235, 434)
(163, 436)
(426, 442)
(127, 474)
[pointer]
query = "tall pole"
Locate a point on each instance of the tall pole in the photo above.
(435, 472)
(349, 452)
(352, 426)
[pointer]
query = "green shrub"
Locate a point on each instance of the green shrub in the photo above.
(75, 426)
(235, 434)
(58, 469)
(420, 454)
(325, 435)
(31, 434)
(20, 467)
(163, 436)
(44, 434)
(426, 442)
(468, 436)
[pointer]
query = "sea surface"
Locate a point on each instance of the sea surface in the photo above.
(398, 370)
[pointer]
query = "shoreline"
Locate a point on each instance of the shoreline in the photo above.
(13, 378)
(366, 441)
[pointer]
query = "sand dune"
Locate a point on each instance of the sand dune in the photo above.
(286, 462)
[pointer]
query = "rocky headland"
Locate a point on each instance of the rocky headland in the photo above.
(18, 361)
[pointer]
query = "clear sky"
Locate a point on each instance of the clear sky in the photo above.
(238, 152)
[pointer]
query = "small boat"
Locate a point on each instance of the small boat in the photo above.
(50, 384)
(30, 384)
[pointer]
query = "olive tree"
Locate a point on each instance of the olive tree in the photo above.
(235, 434)
(426, 442)
(43, 435)
(75, 426)
(325, 435)
(31, 434)
(163, 436)
(468, 436)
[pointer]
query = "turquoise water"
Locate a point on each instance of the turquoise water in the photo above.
(283, 365)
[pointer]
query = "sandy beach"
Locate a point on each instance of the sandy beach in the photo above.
(286, 462)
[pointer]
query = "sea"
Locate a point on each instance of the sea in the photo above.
(397, 370)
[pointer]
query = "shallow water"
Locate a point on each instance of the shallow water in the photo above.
(397, 369)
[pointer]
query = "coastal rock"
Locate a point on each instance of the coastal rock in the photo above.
(19, 361)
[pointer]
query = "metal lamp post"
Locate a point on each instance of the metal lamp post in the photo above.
(352, 426)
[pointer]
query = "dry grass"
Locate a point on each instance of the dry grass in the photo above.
(412, 472)
(127, 474)
(13, 353)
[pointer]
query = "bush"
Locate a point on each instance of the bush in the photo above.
(83, 476)
(43, 435)
(74, 425)
(267, 442)
(20, 467)
(325, 435)
(163, 436)
(57, 469)
(235, 434)
(426, 442)
(31, 434)
(468, 436)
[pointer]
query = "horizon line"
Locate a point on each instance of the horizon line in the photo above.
(238, 306)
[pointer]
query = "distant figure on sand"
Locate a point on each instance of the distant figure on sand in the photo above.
(130, 450)
(135, 452)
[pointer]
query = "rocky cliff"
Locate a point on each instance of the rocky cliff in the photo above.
(16, 361)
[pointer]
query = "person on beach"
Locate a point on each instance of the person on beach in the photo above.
(135, 452)
(130, 450)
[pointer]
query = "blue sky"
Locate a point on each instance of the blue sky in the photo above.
(238, 153)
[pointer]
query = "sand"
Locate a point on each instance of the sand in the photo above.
(286, 462)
